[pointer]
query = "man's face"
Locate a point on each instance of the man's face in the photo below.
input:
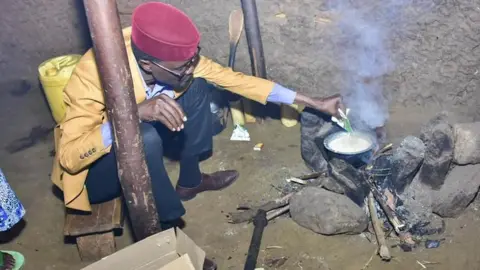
(178, 74)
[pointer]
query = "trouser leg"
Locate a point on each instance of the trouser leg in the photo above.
(103, 183)
(197, 136)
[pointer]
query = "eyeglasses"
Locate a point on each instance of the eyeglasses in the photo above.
(181, 71)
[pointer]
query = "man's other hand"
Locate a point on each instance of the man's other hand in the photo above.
(163, 109)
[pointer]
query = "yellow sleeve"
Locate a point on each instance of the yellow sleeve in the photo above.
(81, 141)
(251, 87)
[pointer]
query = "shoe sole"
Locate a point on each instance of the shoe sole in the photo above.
(188, 198)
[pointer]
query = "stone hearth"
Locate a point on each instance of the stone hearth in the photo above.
(422, 180)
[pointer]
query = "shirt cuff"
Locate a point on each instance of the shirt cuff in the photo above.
(280, 94)
(106, 134)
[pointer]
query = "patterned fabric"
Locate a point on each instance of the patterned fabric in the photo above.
(11, 209)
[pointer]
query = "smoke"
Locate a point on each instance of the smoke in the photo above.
(362, 44)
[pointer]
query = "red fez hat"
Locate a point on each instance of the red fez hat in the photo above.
(164, 32)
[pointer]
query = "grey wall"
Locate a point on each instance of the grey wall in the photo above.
(436, 53)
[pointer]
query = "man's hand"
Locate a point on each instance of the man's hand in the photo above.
(328, 105)
(163, 109)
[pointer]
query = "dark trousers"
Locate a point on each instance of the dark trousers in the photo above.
(196, 138)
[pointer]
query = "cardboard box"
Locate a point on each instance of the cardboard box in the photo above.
(162, 251)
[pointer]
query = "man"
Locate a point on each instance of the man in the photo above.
(171, 87)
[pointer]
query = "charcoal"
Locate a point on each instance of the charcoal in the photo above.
(467, 143)
(350, 179)
(314, 128)
(439, 141)
(432, 244)
(326, 212)
(434, 225)
(406, 161)
(458, 192)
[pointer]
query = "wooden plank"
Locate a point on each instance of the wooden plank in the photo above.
(94, 247)
(103, 218)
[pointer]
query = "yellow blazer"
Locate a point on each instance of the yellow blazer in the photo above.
(78, 139)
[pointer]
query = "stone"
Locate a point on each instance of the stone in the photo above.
(458, 191)
(467, 143)
(439, 142)
(326, 212)
(417, 194)
(406, 161)
(331, 184)
(351, 180)
(314, 128)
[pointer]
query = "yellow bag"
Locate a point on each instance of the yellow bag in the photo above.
(54, 75)
(290, 113)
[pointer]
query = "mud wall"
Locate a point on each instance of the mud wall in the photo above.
(436, 52)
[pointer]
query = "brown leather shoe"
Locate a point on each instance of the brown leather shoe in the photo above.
(215, 181)
(209, 265)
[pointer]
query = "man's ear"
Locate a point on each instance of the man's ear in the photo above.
(145, 65)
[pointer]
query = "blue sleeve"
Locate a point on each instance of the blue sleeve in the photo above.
(281, 95)
(107, 134)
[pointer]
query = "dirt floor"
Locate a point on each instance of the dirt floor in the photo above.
(436, 54)
(41, 238)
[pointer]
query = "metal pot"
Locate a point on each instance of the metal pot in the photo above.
(357, 159)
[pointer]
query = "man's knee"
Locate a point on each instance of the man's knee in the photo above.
(151, 138)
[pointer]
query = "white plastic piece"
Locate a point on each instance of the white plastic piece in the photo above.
(240, 133)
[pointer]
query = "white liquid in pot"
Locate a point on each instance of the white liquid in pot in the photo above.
(349, 143)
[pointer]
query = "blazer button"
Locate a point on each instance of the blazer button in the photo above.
(82, 157)
(94, 150)
(90, 152)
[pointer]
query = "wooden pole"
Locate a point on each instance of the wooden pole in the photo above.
(112, 61)
(254, 38)
(255, 48)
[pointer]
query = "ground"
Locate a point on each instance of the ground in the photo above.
(436, 55)
(41, 239)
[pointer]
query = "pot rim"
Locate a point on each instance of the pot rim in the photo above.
(335, 135)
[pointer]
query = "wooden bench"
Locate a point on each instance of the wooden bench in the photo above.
(94, 232)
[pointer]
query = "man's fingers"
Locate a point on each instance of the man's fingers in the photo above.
(173, 115)
(176, 107)
(164, 120)
(341, 106)
(168, 113)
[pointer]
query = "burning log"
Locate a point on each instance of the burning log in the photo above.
(392, 216)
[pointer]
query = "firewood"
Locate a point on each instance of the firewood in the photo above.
(392, 216)
(275, 213)
(377, 227)
(248, 215)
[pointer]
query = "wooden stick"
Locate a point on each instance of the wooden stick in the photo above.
(275, 213)
(367, 264)
(248, 215)
(390, 213)
(377, 227)
(297, 180)
(235, 28)
(310, 176)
